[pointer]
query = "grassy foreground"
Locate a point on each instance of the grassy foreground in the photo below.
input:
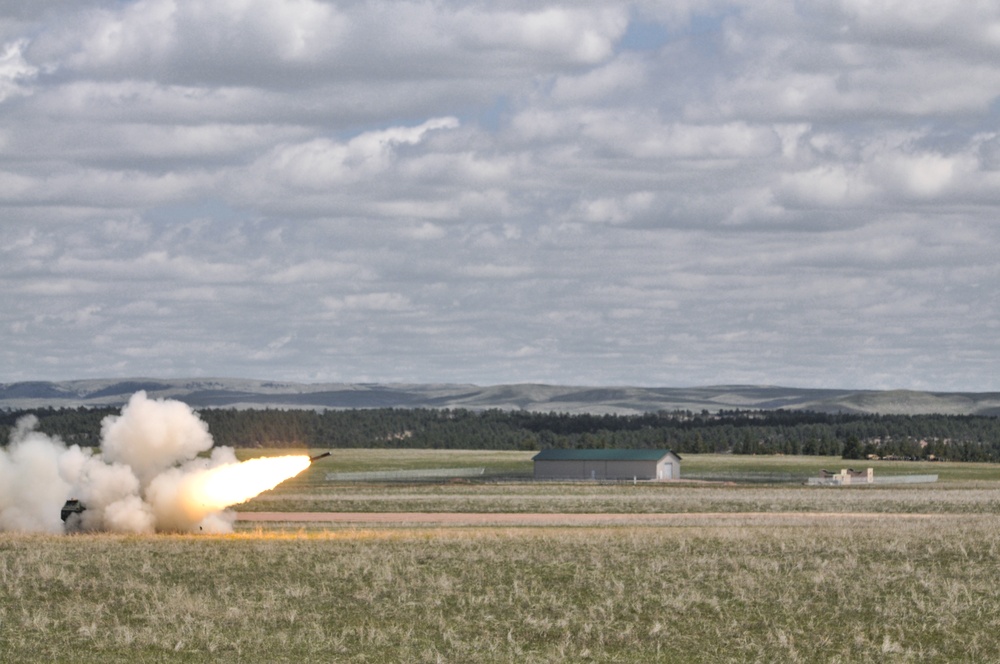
(852, 581)
(849, 590)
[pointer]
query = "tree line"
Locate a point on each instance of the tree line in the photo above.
(946, 437)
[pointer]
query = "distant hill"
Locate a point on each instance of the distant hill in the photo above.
(243, 393)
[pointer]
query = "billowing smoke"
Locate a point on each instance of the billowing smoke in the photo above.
(147, 477)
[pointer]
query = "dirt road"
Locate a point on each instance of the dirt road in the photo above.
(567, 519)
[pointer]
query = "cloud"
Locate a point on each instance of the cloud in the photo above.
(675, 193)
(322, 163)
(368, 302)
(183, 41)
(315, 270)
(15, 71)
(617, 210)
(253, 41)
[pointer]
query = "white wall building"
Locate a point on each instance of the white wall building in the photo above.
(657, 465)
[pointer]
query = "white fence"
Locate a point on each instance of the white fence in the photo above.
(880, 479)
(906, 479)
(416, 474)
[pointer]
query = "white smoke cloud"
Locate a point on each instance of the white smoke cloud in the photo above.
(32, 490)
(140, 481)
(153, 435)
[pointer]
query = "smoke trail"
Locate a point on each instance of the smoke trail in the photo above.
(147, 477)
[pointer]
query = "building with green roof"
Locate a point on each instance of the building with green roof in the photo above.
(655, 465)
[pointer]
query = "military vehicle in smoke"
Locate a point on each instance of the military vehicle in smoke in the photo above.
(72, 506)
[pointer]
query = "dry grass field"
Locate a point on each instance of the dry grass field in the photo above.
(843, 590)
(561, 497)
(791, 584)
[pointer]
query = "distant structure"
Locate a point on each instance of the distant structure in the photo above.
(656, 465)
(851, 477)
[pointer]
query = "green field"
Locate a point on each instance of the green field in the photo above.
(962, 488)
(505, 464)
(890, 574)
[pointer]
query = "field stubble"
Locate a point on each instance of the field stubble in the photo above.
(847, 590)
(773, 587)
(625, 498)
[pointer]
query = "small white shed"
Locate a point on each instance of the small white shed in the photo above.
(656, 465)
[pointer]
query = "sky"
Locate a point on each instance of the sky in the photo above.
(586, 193)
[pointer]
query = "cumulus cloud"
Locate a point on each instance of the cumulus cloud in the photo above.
(673, 193)
(253, 41)
(369, 302)
(184, 41)
(15, 71)
(323, 163)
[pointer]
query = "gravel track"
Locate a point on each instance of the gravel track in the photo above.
(539, 519)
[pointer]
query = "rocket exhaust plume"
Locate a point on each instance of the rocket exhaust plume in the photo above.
(218, 488)
(146, 478)
(185, 501)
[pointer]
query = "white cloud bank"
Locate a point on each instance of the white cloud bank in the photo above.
(650, 193)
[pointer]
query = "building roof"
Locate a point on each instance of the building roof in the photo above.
(601, 455)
